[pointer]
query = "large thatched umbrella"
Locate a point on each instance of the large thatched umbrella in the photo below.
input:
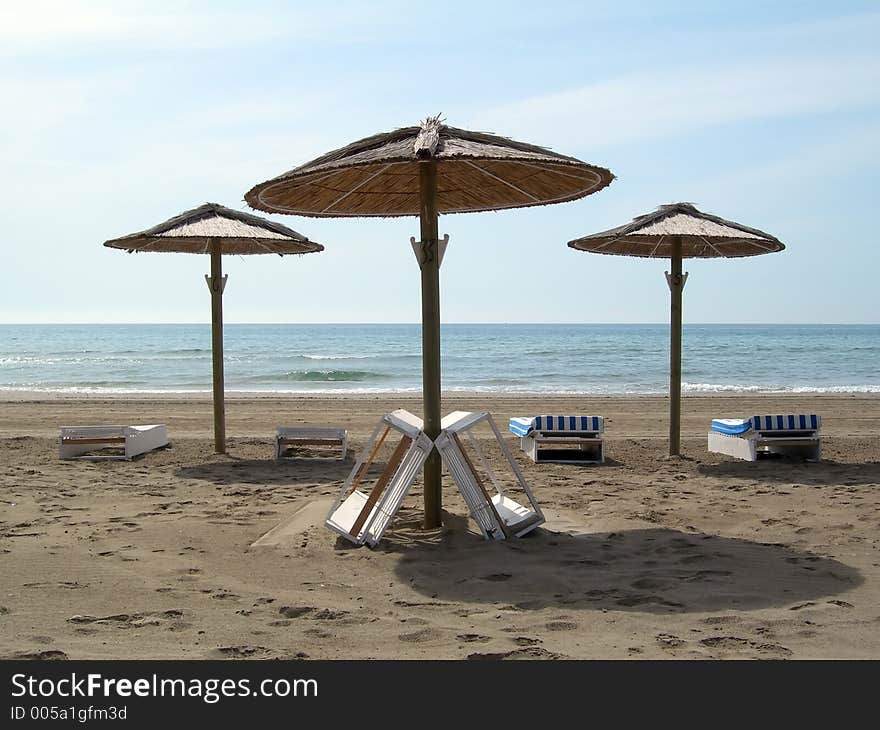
(675, 232)
(428, 170)
(215, 230)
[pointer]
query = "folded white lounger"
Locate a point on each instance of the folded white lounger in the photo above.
(788, 435)
(80, 442)
(561, 439)
(498, 516)
(326, 443)
(361, 517)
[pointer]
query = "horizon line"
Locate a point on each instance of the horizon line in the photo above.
(363, 324)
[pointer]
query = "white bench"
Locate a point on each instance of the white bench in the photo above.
(325, 443)
(85, 442)
(561, 439)
(793, 435)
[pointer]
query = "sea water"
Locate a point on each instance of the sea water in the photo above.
(491, 358)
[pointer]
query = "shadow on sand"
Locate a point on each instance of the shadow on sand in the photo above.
(232, 470)
(649, 570)
(793, 471)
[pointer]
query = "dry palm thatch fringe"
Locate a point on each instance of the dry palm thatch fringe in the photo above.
(702, 235)
(476, 171)
(238, 233)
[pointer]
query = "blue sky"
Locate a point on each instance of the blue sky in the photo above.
(118, 115)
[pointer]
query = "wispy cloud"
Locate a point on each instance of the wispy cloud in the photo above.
(652, 105)
(54, 25)
(816, 176)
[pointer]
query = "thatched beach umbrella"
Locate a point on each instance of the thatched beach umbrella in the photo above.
(427, 170)
(676, 232)
(215, 230)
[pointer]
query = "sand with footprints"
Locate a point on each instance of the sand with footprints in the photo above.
(644, 557)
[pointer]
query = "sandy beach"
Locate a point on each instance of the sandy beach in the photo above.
(643, 557)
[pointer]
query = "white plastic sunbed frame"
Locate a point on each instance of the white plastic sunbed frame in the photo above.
(549, 446)
(805, 443)
(361, 517)
(499, 517)
(78, 442)
(545, 447)
(330, 443)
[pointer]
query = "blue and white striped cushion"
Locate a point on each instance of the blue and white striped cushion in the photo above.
(522, 426)
(731, 426)
(789, 422)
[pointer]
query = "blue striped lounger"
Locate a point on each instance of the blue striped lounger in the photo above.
(737, 426)
(568, 439)
(523, 426)
(745, 438)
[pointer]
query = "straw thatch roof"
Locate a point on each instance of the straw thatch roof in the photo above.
(238, 233)
(702, 236)
(379, 176)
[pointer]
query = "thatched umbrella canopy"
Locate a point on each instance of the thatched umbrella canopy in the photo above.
(676, 232)
(216, 230)
(427, 170)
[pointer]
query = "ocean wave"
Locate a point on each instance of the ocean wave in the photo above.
(736, 388)
(342, 390)
(183, 351)
(552, 389)
(120, 383)
(384, 356)
(99, 359)
(336, 357)
(322, 386)
(99, 390)
(321, 376)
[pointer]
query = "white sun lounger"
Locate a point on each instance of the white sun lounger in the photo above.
(327, 443)
(360, 516)
(498, 516)
(789, 435)
(81, 442)
(561, 439)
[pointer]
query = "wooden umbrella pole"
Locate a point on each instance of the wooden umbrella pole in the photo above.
(676, 281)
(217, 283)
(429, 261)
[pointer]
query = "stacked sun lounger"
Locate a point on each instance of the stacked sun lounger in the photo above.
(561, 439)
(110, 442)
(794, 435)
(498, 516)
(361, 516)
